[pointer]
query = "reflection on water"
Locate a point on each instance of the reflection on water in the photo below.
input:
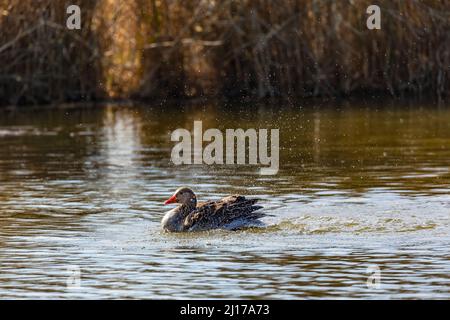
(357, 186)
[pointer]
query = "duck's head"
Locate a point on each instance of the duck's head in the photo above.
(184, 196)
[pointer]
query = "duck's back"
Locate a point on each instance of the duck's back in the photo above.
(232, 212)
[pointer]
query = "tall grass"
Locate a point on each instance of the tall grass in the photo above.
(41, 60)
(251, 48)
(306, 48)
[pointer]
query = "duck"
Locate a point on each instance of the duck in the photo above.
(230, 213)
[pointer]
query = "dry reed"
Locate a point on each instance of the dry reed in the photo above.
(305, 48)
(41, 60)
(191, 48)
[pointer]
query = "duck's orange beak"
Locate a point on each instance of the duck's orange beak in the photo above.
(172, 199)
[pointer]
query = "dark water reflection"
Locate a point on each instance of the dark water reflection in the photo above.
(358, 186)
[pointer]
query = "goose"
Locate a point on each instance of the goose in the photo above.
(231, 213)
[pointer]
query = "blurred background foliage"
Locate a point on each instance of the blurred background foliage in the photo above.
(177, 49)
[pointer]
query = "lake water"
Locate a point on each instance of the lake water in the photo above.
(362, 190)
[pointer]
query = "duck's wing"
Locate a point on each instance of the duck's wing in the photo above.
(233, 212)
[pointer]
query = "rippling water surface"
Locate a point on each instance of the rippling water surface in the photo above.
(360, 189)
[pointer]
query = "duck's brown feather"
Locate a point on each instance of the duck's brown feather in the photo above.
(230, 212)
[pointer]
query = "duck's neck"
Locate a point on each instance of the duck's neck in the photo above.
(190, 205)
(174, 219)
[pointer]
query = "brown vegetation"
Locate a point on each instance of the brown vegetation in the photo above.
(43, 61)
(191, 48)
